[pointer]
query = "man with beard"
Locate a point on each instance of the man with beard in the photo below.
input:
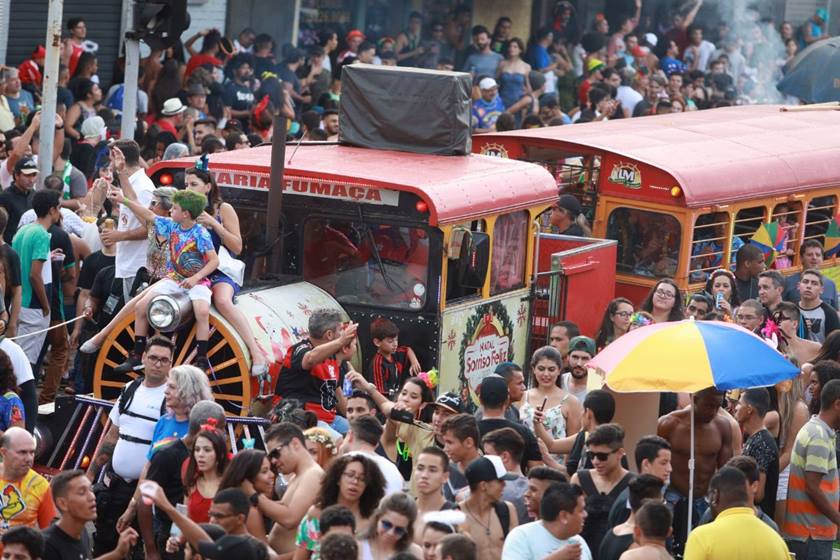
(484, 62)
(581, 352)
(238, 93)
(712, 449)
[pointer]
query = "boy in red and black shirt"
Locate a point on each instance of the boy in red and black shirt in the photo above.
(392, 364)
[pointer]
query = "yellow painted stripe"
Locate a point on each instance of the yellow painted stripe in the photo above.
(672, 359)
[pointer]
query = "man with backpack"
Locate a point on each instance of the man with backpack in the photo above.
(133, 420)
(489, 517)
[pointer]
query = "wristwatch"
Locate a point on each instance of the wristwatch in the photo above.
(254, 499)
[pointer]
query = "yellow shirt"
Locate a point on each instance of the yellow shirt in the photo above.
(26, 502)
(7, 119)
(736, 533)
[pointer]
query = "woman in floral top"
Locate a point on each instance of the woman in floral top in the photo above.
(353, 481)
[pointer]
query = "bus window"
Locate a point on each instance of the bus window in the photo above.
(367, 263)
(510, 247)
(454, 290)
(821, 211)
(708, 245)
(648, 242)
(747, 222)
(788, 216)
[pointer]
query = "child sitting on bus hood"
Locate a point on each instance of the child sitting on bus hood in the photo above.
(190, 261)
(392, 364)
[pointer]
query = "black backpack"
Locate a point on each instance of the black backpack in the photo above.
(127, 395)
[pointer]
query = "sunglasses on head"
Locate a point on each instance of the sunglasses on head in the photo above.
(600, 455)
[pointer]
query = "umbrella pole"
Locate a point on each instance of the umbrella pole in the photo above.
(690, 474)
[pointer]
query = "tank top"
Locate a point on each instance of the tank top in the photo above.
(598, 507)
(198, 507)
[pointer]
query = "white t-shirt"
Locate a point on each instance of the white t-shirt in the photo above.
(532, 541)
(628, 97)
(394, 481)
(131, 255)
(20, 363)
(130, 457)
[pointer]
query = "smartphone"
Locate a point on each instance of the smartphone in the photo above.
(542, 406)
(404, 416)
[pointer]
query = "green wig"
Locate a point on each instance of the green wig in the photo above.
(191, 202)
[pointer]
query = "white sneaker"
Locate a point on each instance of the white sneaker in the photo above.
(89, 347)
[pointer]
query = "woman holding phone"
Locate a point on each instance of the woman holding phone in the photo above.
(561, 411)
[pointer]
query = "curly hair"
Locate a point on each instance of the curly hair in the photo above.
(374, 484)
(245, 465)
(8, 381)
(192, 385)
(217, 440)
(676, 312)
(400, 504)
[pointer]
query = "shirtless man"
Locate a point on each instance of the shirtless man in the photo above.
(431, 471)
(712, 449)
(653, 527)
(787, 316)
(287, 452)
(484, 525)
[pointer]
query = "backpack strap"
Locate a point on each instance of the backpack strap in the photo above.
(127, 396)
(503, 513)
(586, 483)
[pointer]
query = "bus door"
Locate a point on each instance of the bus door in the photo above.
(485, 315)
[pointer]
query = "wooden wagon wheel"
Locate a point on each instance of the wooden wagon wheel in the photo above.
(230, 379)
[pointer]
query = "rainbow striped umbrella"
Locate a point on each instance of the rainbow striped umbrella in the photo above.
(689, 356)
(770, 238)
(832, 238)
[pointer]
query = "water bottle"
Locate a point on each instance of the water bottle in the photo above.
(718, 299)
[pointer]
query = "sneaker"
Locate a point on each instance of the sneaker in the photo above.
(89, 347)
(133, 363)
(202, 363)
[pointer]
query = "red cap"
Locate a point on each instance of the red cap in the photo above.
(39, 52)
(355, 33)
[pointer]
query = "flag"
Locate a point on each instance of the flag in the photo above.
(832, 238)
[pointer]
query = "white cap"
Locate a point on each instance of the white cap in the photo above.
(651, 39)
(487, 83)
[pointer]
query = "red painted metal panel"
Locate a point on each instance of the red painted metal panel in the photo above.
(715, 156)
(456, 188)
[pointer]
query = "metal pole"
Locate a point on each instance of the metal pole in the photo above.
(690, 473)
(275, 195)
(296, 22)
(132, 68)
(50, 91)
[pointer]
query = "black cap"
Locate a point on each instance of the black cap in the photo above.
(493, 391)
(570, 203)
(230, 546)
(27, 166)
(485, 469)
(449, 401)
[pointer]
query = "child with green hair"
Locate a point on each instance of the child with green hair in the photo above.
(192, 259)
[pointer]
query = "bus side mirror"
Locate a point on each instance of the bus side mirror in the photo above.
(474, 259)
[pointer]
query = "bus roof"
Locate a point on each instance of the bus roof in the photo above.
(719, 155)
(455, 188)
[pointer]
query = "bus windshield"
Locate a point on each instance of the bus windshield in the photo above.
(367, 263)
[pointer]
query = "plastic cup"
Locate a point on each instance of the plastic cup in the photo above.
(147, 491)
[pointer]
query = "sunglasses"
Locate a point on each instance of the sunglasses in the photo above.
(778, 317)
(388, 526)
(600, 455)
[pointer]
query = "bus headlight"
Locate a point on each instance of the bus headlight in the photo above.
(168, 312)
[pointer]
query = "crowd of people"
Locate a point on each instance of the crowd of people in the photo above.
(373, 464)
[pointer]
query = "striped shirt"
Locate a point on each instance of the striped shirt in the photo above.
(814, 451)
